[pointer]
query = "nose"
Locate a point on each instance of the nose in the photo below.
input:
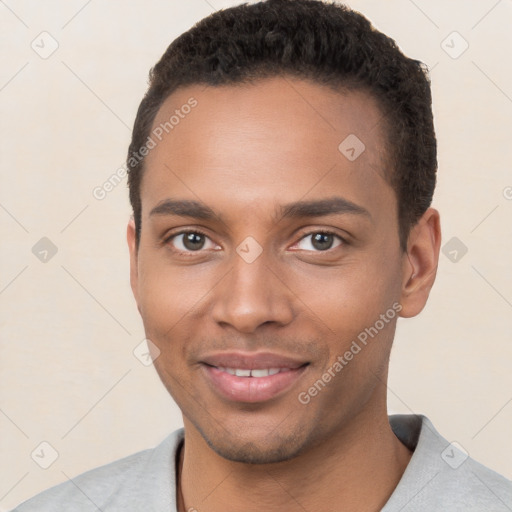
(252, 295)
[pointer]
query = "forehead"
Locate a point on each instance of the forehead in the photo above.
(275, 139)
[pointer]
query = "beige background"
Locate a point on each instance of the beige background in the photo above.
(68, 375)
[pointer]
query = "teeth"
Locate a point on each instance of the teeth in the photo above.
(263, 372)
(259, 373)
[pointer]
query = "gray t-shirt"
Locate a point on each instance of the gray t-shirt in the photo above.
(439, 477)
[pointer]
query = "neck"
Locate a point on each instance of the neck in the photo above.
(356, 469)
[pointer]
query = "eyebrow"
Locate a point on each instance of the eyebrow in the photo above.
(322, 207)
(184, 208)
(299, 209)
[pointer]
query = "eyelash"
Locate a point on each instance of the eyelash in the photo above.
(199, 232)
(168, 240)
(324, 232)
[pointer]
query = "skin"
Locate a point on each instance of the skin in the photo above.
(245, 152)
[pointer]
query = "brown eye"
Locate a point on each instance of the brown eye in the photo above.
(319, 241)
(193, 241)
(190, 241)
(322, 241)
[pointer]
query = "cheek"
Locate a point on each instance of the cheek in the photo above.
(351, 296)
(165, 305)
(168, 294)
(159, 295)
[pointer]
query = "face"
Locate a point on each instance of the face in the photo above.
(266, 246)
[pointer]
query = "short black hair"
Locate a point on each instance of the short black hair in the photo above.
(327, 43)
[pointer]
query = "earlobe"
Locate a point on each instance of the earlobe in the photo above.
(420, 263)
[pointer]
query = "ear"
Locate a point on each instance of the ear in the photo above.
(132, 247)
(419, 266)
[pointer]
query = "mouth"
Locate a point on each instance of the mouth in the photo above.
(251, 378)
(256, 373)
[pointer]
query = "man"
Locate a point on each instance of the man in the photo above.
(282, 168)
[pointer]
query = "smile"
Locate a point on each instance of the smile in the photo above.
(251, 385)
(257, 373)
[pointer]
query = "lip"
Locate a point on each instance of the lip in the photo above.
(251, 361)
(251, 389)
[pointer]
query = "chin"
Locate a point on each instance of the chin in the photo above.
(256, 449)
(252, 453)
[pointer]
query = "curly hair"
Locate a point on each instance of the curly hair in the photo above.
(326, 43)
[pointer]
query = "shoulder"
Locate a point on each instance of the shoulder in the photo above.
(442, 476)
(142, 477)
(469, 485)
